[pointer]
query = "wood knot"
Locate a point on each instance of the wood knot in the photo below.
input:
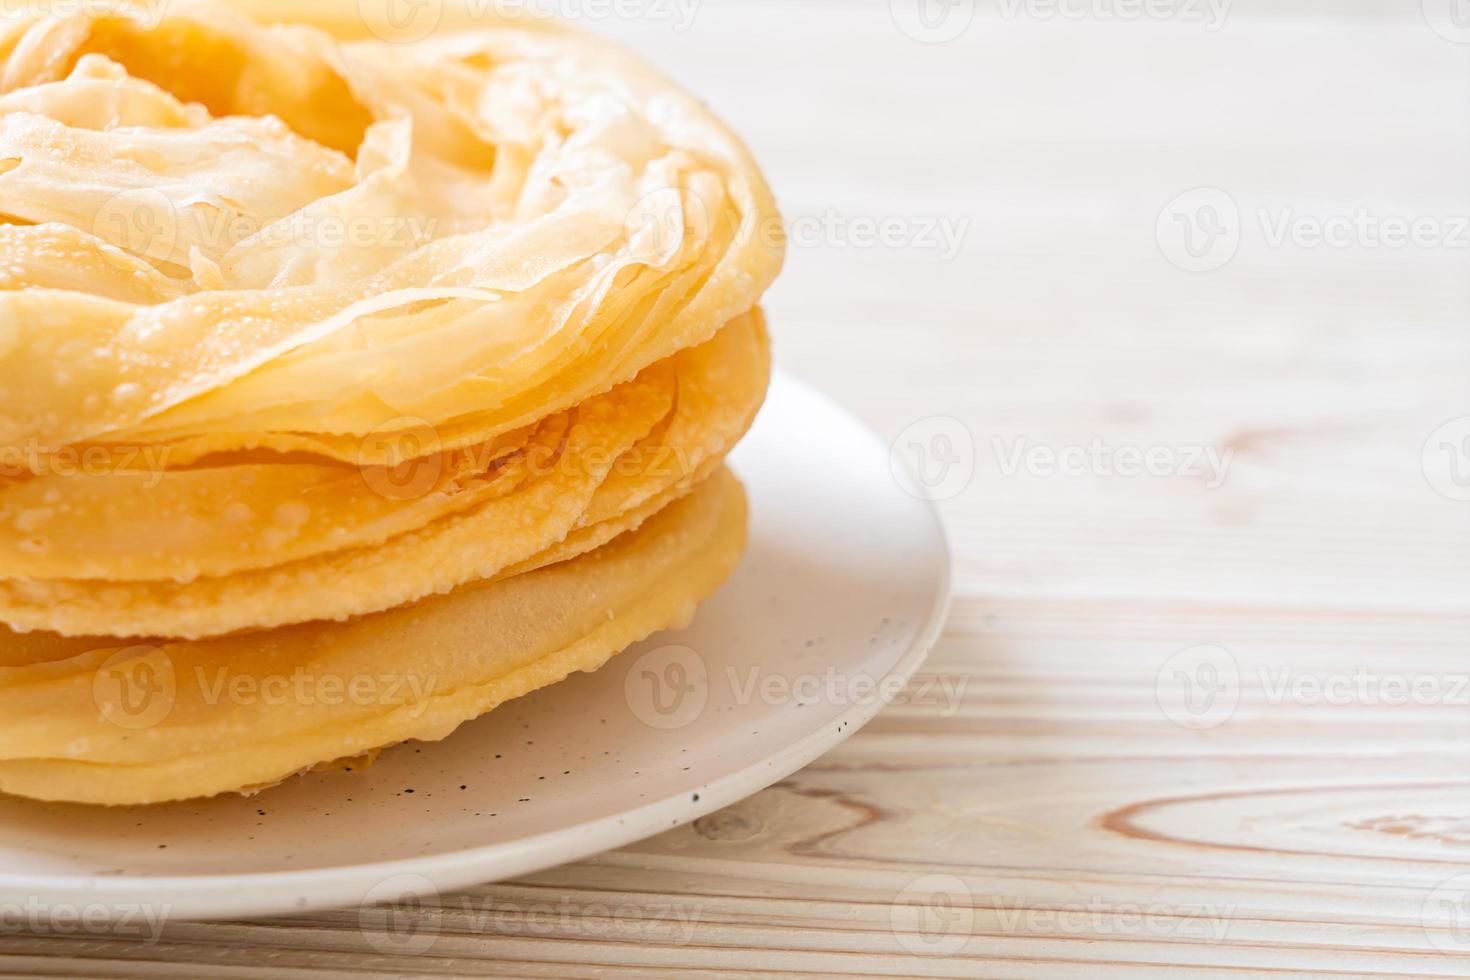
(732, 824)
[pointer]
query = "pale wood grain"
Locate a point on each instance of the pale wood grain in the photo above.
(1292, 839)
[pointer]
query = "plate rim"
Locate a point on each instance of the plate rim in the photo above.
(212, 897)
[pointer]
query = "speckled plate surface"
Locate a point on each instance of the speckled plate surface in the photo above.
(838, 601)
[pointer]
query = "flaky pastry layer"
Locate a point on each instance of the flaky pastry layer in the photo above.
(96, 722)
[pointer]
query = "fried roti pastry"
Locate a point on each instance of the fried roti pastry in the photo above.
(331, 350)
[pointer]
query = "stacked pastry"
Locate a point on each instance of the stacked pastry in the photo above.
(391, 375)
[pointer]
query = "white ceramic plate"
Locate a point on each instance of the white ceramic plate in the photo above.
(843, 589)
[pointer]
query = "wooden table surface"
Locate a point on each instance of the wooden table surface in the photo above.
(1208, 702)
